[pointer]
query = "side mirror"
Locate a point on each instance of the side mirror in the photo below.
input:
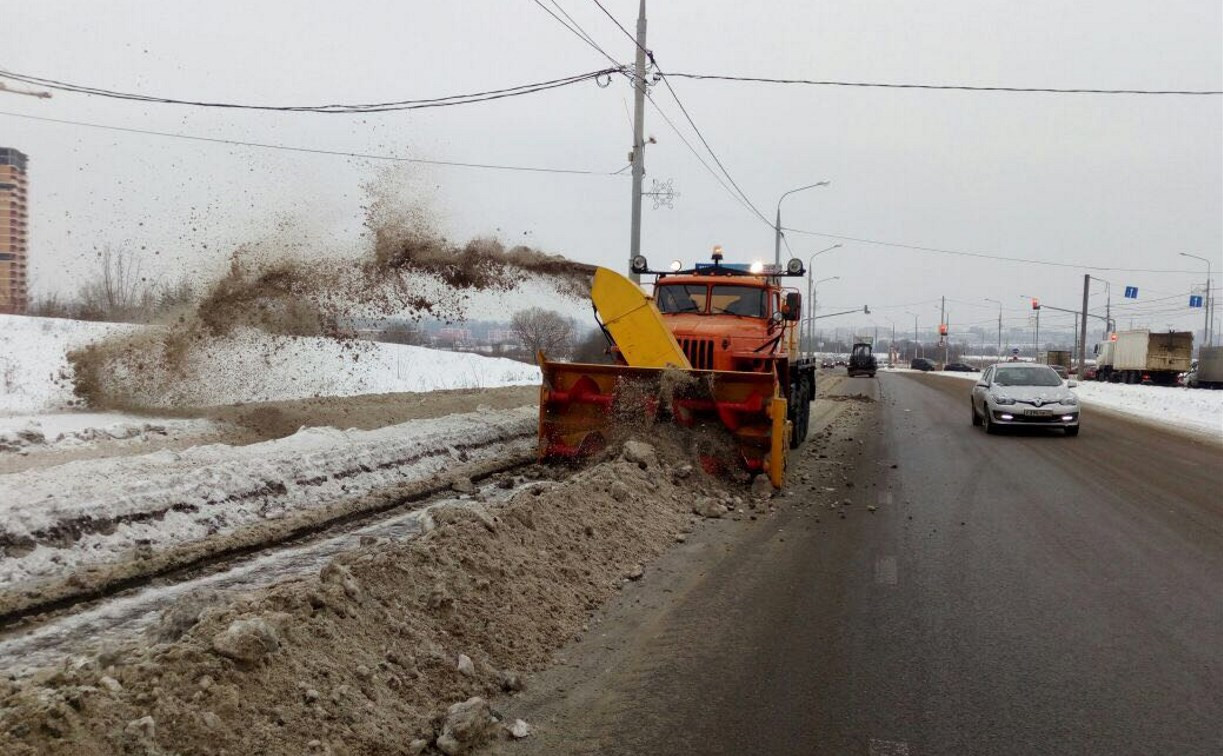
(792, 309)
(1071, 384)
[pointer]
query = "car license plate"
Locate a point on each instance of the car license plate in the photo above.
(1038, 413)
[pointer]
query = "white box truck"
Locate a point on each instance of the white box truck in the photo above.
(1141, 356)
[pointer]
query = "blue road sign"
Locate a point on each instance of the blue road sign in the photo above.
(1131, 292)
(1015, 350)
(1195, 300)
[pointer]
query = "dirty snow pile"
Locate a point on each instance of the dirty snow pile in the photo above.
(34, 372)
(95, 511)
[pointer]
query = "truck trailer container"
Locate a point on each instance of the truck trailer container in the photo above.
(1141, 356)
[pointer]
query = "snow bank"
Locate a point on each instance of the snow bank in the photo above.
(93, 511)
(34, 372)
(245, 366)
(75, 429)
(253, 366)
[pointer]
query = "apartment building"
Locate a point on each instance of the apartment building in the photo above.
(14, 235)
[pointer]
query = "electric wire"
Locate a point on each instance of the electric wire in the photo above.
(577, 31)
(983, 255)
(944, 87)
(316, 151)
(379, 107)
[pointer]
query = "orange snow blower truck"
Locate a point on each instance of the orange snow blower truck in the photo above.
(715, 348)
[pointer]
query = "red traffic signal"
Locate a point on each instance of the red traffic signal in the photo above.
(1035, 303)
(942, 329)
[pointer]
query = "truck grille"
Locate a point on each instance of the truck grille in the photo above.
(699, 352)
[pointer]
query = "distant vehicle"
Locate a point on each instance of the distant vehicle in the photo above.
(1143, 357)
(1090, 373)
(1061, 371)
(1208, 373)
(921, 363)
(959, 367)
(862, 361)
(841, 363)
(827, 364)
(1024, 395)
(1056, 357)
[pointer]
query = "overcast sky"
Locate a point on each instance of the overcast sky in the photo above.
(1120, 181)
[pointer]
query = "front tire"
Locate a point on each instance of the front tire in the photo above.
(1072, 430)
(990, 427)
(976, 419)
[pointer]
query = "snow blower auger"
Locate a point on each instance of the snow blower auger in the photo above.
(713, 351)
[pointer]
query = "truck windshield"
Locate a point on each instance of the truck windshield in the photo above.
(748, 301)
(1027, 376)
(681, 297)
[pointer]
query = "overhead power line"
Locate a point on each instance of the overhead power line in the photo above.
(985, 255)
(945, 87)
(376, 107)
(575, 29)
(315, 151)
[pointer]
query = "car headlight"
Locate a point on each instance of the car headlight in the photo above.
(1003, 399)
(1070, 399)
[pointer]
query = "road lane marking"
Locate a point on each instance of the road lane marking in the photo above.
(888, 747)
(885, 570)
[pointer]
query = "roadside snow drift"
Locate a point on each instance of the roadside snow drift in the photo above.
(34, 372)
(56, 519)
(247, 365)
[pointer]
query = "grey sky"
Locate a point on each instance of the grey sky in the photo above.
(1105, 180)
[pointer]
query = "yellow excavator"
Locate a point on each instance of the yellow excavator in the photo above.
(713, 350)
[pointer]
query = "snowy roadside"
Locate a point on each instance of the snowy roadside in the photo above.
(92, 512)
(1197, 410)
(70, 430)
(366, 655)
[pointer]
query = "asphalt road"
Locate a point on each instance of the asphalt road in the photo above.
(1024, 593)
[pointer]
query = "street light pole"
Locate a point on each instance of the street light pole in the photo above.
(1208, 331)
(810, 274)
(916, 343)
(777, 225)
(998, 356)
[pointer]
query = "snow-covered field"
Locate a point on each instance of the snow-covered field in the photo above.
(96, 511)
(1198, 410)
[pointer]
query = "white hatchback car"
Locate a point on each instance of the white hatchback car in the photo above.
(1024, 395)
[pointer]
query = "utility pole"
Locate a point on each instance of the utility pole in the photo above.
(942, 321)
(638, 140)
(1083, 327)
(1036, 346)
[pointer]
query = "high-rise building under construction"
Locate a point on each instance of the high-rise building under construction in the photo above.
(14, 241)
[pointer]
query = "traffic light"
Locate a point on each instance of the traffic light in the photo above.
(1035, 303)
(942, 329)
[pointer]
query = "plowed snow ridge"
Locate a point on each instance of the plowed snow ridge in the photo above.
(96, 511)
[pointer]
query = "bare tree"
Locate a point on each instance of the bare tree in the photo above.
(542, 330)
(120, 292)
